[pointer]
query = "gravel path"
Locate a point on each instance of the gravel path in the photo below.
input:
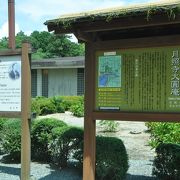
(133, 134)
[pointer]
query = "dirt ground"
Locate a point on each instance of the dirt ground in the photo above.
(133, 134)
(135, 137)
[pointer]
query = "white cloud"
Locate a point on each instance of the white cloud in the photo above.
(4, 32)
(54, 8)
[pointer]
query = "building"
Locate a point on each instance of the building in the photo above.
(62, 76)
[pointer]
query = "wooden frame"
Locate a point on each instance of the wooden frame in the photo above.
(141, 31)
(137, 43)
(25, 114)
(91, 115)
(4, 113)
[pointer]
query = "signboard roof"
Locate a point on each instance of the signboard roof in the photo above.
(65, 21)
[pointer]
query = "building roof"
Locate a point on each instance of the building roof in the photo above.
(57, 63)
(65, 23)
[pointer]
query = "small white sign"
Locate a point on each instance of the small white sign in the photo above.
(10, 83)
(112, 53)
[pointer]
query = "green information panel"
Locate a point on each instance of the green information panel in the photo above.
(138, 80)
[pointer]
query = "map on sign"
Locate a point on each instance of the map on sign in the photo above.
(109, 71)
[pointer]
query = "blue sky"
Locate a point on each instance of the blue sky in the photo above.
(31, 14)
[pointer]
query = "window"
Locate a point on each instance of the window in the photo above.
(45, 82)
(80, 81)
(33, 82)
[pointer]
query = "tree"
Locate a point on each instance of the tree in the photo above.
(47, 45)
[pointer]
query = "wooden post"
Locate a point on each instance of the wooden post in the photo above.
(89, 122)
(11, 17)
(26, 102)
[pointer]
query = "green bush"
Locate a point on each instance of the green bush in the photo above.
(41, 134)
(35, 107)
(11, 138)
(109, 125)
(65, 141)
(111, 158)
(166, 164)
(69, 101)
(47, 107)
(58, 102)
(2, 122)
(44, 106)
(78, 108)
(164, 133)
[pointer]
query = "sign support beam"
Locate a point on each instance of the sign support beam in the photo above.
(26, 103)
(89, 122)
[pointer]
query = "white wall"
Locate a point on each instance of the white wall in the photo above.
(62, 82)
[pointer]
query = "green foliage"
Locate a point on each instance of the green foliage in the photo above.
(164, 133)
(78, 108)
(47, 45)
(109, 126)
(20, 37)
(35, 107)
(166, 164)
(111, 158)
(41, 134)
(2, 122)
(65, 141)
(58, 103)
(4, 43)
(11, 138)
(69, 101)
(44, 106)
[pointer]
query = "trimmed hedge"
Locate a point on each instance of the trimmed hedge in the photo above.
(11, 138)
(53, 141)
(65, 142)
(58, 104)
(69, 101)
(111, 158)
(166, 164)
(40, 137)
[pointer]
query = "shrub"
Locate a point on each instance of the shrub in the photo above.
(78, 108)
(2, 122)
(45, 105)
(166, 164)
(35, 107)
(41, 133)
(111, 158)
(164, 133)
(11, 138)
(69, 101)
(109, 126)
(65, 141)
(58, 102)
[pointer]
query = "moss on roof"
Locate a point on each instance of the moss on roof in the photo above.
(170, 8)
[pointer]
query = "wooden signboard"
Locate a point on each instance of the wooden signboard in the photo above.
(15, 95)
(131, 80)
(138, 80)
